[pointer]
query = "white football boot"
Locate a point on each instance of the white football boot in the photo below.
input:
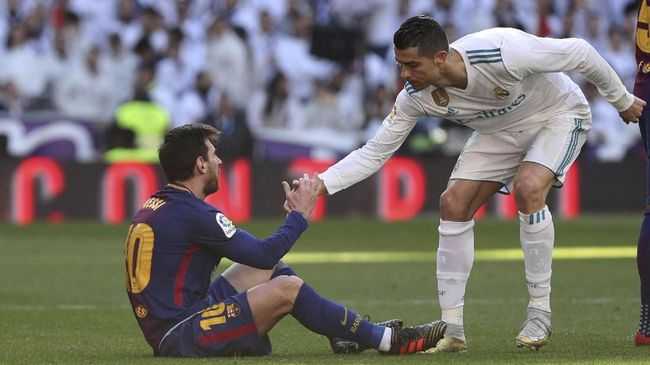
(454, 340)
(536, 329)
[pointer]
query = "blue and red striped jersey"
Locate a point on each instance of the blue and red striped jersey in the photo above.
(642, 83)
(175, 242)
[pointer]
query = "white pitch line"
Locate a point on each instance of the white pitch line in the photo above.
(355, 302)
(562, 253)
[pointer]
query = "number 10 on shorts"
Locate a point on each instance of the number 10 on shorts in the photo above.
(212, 316)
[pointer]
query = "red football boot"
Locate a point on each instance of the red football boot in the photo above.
(641, 339)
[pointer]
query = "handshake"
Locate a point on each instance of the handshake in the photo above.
(301, 195)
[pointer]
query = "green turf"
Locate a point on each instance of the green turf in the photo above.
(62, 298)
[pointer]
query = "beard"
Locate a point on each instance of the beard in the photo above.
(212, 186)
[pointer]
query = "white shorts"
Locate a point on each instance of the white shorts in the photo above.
(497, 156)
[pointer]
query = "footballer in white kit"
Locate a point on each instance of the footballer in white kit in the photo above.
(530, 121)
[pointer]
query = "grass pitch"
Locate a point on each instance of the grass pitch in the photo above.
(62, 296)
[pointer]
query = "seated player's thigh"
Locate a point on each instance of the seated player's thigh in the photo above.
(558, 143)
(225, 328)
(243, 277)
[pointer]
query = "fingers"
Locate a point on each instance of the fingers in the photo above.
(308, 184)
(304, 180)
(286, 187)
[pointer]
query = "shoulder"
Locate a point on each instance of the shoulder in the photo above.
(225, 224)
(410, 101)
(483, 47)
(492, 39)
(212, 219)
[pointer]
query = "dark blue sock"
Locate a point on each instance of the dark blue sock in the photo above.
(283, 269)
(643, 265)
(334, 320)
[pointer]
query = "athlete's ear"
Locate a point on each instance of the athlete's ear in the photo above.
(201, 164)
(440, 57)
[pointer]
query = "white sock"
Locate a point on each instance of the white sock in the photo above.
(454, 263)
(453, 315)
(537, 236)
(384, 345)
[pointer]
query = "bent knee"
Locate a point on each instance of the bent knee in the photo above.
(287, 288)
(453, 206)
(529, 190)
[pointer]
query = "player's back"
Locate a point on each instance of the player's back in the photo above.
(168, 272)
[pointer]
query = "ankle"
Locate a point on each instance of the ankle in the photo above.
(453, 316)
(455, 331)
(541, 303)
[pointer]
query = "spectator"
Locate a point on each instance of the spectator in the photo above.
(87, 92)
(262, 43)
(595, 32)
(327, 110)
(140, 122)
(505, 15)
(23, 75)
(227, 62)
(120, 66)
(196, 103)
(541, 19)
(149, 26)
(237, 141)
(610, 137)
(60, 57)
(259, 54)
(274, 108)
(621, 56)
(174, 75)
(296, 62)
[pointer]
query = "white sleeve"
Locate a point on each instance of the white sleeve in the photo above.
(525, 54)
(365, 161)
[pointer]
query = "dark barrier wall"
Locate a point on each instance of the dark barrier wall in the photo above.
(40, 188)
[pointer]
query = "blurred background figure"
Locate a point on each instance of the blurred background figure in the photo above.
(296, 72)
(88, 92)
(139, 124)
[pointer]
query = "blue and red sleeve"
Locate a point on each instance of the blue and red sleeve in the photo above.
(245, 248)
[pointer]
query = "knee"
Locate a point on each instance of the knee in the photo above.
(453, 206)
(286, 289)
(529, 193)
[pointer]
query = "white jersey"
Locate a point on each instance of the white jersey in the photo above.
(514, 82)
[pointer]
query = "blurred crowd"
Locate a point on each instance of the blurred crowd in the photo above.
(278, 77)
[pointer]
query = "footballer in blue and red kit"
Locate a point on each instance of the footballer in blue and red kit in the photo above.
(174, 243)
(642, 90)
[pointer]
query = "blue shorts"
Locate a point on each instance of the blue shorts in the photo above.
(225, 328)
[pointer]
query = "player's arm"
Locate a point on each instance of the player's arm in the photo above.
(365, 161)
(221, 235)
(224, 239)
(264, 253)
(525, 54)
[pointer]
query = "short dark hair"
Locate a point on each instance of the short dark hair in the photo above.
(422, 32)
(181, 147)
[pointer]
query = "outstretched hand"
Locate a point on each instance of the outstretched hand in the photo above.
(302, 198)
(322, 189)
(633, 113)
